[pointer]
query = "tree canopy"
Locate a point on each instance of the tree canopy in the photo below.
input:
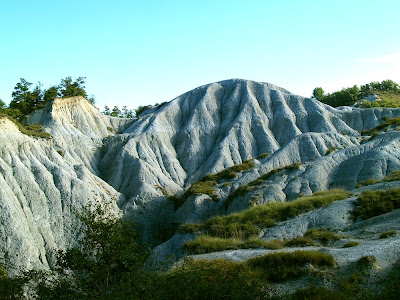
(27, 98)
(349, 96)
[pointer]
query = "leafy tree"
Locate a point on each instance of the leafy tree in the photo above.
(107, 264)
(115, 112)
(50, 94)
(318, 93)
(23, 99)
(70, 88)
(106, 111)
(2, 104)
(347, 96)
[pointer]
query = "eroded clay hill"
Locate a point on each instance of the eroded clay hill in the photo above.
(137, 163)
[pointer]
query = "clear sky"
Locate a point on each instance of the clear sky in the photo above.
(143, 52)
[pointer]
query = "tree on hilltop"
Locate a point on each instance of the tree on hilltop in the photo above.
(318, 93)
(70, 88)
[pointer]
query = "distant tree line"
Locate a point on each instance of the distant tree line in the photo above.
(349, 96)
(26, 98)
(128, 113)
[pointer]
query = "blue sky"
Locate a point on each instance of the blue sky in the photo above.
(143, 52)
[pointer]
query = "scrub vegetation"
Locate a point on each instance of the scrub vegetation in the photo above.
(240, 230)
(374, 203)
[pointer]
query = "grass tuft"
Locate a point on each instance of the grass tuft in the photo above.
(323, 235)
(351, 244)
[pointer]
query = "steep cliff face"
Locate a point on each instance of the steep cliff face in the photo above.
(135, 163)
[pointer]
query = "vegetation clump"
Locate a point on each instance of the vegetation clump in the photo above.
(388, 90)
(263, 155)
(207, 184)
(244, 189)
(351, 244)
(393, 122)
(206, 244)
(388, 234)
(248, 223)
(323, 235)
(374, 203)
(394, 176)
(284, 265)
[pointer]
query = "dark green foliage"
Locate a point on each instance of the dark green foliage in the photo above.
(141, 109)
(318, 93)
(108, 264)
(317, 293)
(115, 112)
(349, 96)
(346, 96)
(284, 265)
(351, 244)
(50, 94)
(70, 88)
(322, 235)
(374, 86)
(2, 105)
(209, 280)
(388, 234)
(374, 203)
(12, 287)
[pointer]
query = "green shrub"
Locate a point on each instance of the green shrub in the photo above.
(374, 203)
(351, 244)
(284, 265)
(367, 260)
(323, 235)
(388, 234)
(208, 280)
